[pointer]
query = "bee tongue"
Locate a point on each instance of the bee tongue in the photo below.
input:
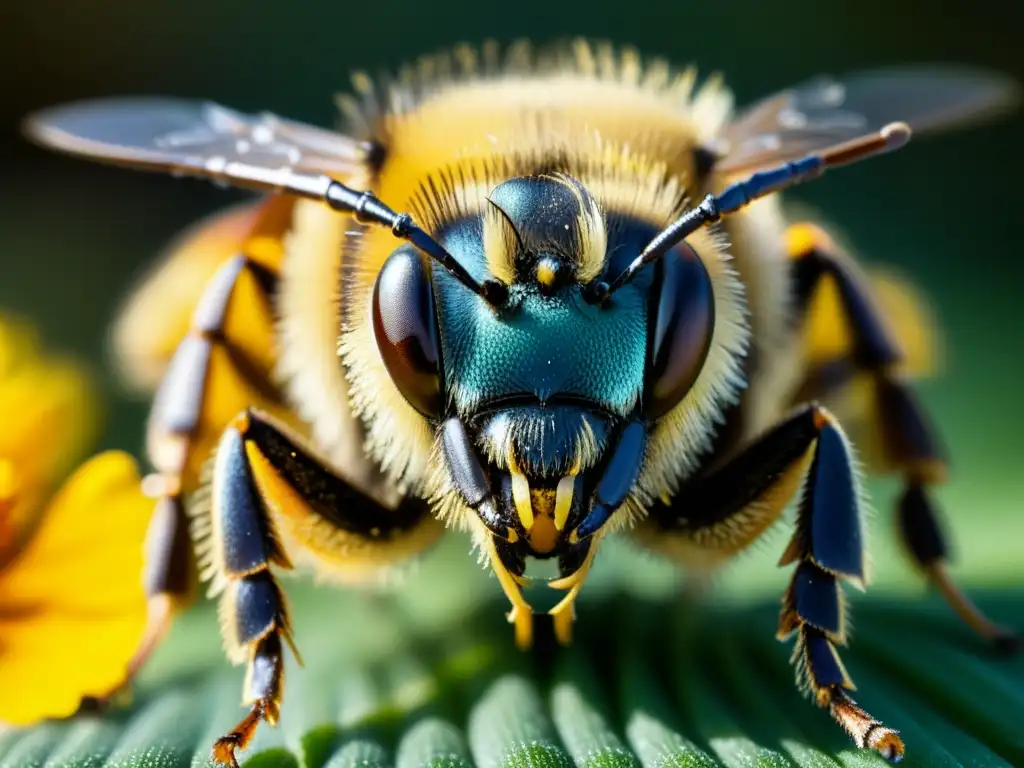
(542, 510)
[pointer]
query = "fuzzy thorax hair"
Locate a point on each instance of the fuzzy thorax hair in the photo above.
(454, 128)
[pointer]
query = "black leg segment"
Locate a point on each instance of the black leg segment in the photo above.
(241, 528)
(829, 517)
(330, 498)
(920, 529)
(218, 348)
(815, 598)
(873, 346)
(907, 442)
(730, 506)
(268, 488)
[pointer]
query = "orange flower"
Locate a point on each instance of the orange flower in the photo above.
(72, 607)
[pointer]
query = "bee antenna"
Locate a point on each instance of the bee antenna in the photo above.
(369, 210)
(742, 193)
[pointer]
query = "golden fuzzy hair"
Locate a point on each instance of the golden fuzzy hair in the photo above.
(455, 126)
(502, 243)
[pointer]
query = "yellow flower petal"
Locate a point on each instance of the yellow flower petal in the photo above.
(72, 606)
(19, 343)
(19, 509)
(49, 412)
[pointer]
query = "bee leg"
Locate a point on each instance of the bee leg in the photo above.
(920, 530)
(263, 682)
(235, 303)
(253, 616)
(179, 415)
(167, 577)
(726, 509)
(909, 444)
(268, 488)
(828, 547)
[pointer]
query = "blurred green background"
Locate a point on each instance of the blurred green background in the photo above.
(946, 211)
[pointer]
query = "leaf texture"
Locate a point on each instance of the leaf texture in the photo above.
(427, 677)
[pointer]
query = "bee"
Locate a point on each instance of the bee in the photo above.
(541, 296)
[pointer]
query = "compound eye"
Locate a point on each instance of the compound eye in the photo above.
(682, 322)
(405, 326)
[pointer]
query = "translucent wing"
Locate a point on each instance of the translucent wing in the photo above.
(196, 138)
(825, 112)
(261, 152)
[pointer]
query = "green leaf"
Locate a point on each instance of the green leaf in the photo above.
(428, 676)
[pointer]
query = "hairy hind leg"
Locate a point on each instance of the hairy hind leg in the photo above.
(722, 511)
(222, 364)
(907, 442)
(267, 489)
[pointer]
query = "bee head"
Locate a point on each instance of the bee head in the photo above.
(543, 405)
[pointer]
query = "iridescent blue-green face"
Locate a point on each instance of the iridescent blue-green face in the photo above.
(549, 360)
(543, 402)
(543, 345)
